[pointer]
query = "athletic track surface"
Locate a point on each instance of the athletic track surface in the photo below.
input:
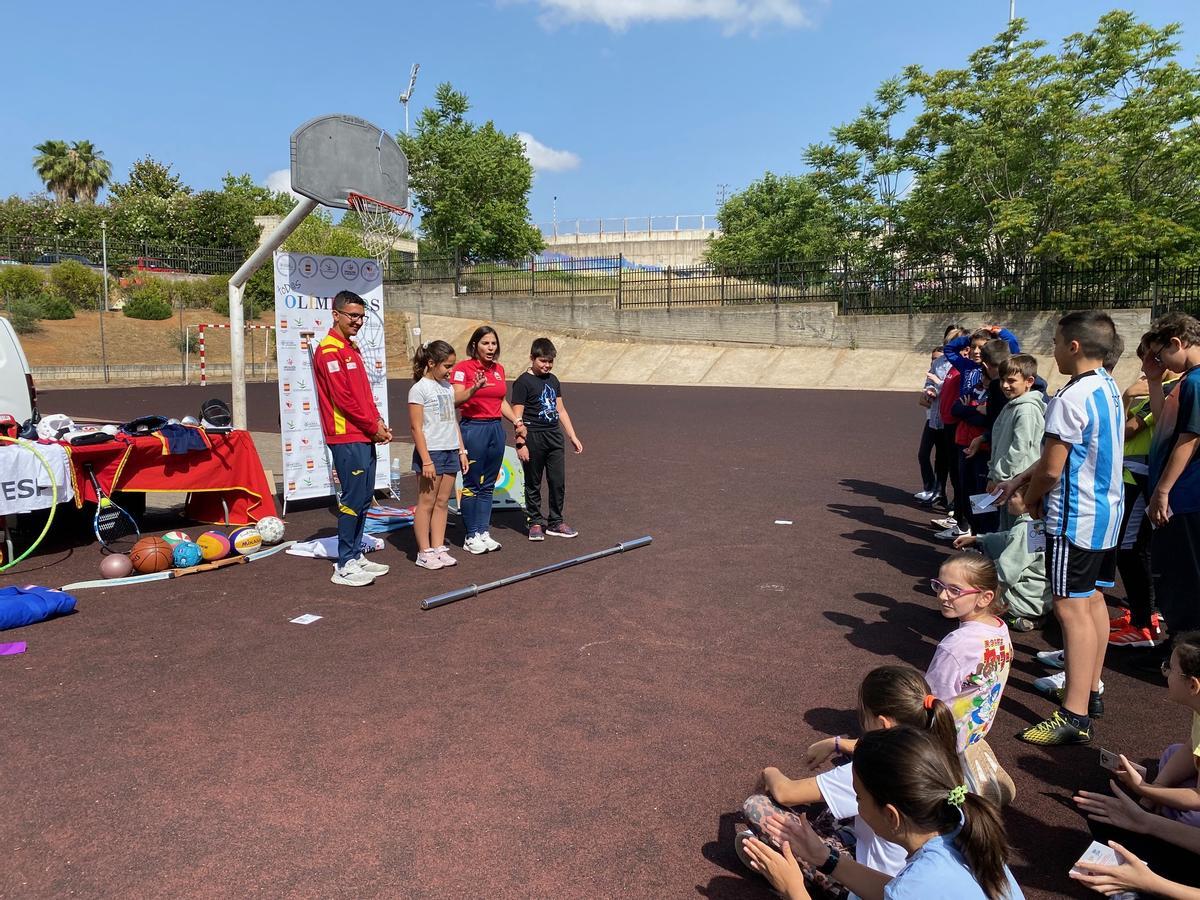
(591, 733)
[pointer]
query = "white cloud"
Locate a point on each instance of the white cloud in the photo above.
(281, 180)
(547, 159)
(735, 15)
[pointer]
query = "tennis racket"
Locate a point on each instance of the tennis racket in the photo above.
(115, 529)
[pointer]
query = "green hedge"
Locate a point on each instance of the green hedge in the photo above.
(25, 315)
(20, 281)
(52, 306)
(147, 307)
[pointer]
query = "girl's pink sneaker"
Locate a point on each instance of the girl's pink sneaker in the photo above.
(444, 557)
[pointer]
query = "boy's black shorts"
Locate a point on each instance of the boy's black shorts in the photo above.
(1075, 572)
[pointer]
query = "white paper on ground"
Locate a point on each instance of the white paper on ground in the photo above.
(306, 619)
(783, 521)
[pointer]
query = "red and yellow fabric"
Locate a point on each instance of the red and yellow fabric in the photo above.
(229, 471)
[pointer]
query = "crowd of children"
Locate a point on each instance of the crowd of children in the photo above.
(1048, 497)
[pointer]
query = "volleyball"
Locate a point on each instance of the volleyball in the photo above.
(245, 540)
(213, 545)
(175, 538)
(271, 529)
(187, 554)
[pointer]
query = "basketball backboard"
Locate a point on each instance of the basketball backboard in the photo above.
(336, 155)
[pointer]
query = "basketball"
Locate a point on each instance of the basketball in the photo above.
(116, 565)
(271, 529)
(175, 538)
(151, 554)
(187, 554)
(246, 540)
(213, 545)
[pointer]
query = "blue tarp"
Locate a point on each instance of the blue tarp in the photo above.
(32, 603)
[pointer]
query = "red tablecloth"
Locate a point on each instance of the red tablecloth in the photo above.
(231, 471)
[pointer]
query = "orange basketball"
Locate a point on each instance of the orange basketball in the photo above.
(151, 554)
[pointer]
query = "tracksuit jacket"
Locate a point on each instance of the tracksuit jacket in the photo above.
(348, 411)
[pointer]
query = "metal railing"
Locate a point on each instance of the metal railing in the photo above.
(125, 255)
(629, 226)
(900, 289)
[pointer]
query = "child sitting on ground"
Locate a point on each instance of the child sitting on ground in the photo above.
(1175, 791)
(912, 793)
(888, 696)
(1021, 571)
(970, 666)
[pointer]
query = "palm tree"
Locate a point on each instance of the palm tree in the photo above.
(53, 166)
(90, 171)
(72, 173)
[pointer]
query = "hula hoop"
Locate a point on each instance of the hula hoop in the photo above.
(26, 445)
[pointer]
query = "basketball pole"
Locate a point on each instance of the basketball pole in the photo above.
(237, 289)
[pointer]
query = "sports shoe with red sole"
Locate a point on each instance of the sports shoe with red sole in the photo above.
(1121, 621)
(1129, 636)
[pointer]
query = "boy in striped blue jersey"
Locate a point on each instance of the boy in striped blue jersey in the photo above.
(1077, 489)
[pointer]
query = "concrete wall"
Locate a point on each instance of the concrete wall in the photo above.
(811, 345)
(653, 248)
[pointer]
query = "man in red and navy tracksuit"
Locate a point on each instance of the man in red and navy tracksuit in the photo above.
(352, 426)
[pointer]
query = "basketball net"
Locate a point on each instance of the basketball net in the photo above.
(382, 224)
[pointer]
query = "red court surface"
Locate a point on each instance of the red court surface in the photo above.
(591, 733)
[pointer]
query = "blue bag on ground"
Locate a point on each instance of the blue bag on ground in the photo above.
(32, 603)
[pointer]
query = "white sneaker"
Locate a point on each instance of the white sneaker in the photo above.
(444, 557)
(490, 542)
(924, 495)
(371, 568)
(475, 544)
(351, 576)
(951, 533)
(428, 559)
(1055, 659)
(945, 522)
(1054, 682)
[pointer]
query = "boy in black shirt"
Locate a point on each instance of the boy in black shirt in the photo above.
(537, 400)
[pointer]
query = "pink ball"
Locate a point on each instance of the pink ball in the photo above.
(116, 565)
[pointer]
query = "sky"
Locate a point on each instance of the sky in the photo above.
(628, 107)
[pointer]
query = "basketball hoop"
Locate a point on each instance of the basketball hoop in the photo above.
(382, 224)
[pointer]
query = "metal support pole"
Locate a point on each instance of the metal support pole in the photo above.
(104, 276)
(237, 288)
(475, 590)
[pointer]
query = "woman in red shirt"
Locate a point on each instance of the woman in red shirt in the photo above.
(480, 393)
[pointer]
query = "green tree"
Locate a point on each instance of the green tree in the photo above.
(471, 183)
(74, 172)
(149, 176)
(779, 217)
(1083, 155)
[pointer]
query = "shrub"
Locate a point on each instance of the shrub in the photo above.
(76, 283)
(24, 315)
(20, 281)
(52, 306)
(146, 306)
(177, 341)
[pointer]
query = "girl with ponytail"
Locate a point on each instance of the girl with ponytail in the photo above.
(889, 696)
(438, 454)
(910, 792)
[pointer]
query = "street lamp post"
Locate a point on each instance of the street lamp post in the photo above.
(104, 305)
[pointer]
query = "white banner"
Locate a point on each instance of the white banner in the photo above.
(305, 286)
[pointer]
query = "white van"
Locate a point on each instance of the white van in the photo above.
(17, 394)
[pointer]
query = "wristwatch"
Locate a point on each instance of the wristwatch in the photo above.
(831, 861)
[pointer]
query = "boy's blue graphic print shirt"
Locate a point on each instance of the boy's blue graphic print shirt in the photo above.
(538, 394)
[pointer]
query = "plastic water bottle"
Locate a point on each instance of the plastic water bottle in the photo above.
(396, 474)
